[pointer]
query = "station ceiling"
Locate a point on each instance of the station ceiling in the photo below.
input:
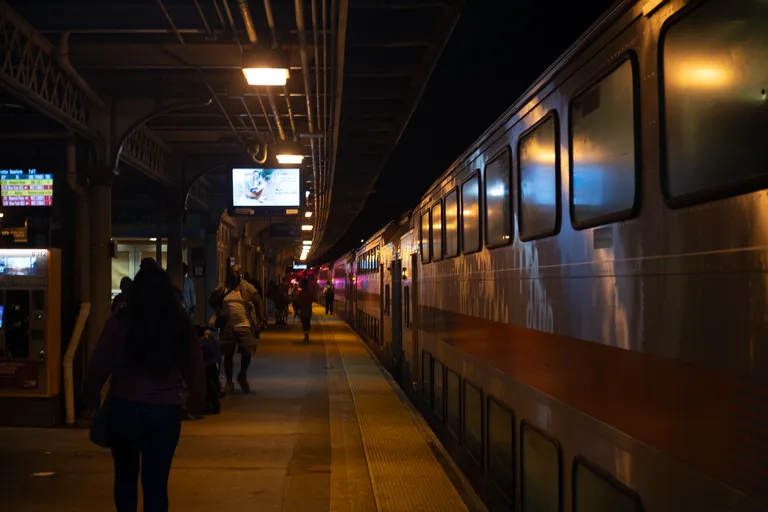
(358, 68)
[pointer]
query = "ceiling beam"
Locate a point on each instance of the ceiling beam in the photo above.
(163, 56)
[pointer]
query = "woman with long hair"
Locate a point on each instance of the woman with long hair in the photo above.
(149, 349)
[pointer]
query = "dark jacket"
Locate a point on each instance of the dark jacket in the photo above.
(133, 384)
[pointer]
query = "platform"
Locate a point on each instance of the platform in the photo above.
(324, 429)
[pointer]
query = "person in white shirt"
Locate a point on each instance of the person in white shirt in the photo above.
(190, 300)
(238, 309)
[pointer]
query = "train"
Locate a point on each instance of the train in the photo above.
(578, 305)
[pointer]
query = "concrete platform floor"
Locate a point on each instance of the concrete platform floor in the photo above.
(323, 429)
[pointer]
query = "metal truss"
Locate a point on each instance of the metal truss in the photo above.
(147, 153)
(29, 69)
(201, 193)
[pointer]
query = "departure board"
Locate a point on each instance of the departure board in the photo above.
(26, 187)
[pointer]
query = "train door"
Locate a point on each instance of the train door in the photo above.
(397, 317)
(415, 324)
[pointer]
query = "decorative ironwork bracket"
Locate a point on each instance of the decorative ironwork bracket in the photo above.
(30, 69)
(146, 152)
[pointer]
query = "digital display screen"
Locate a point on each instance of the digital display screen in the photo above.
(23, 262)
(26, 187)
(266, 187)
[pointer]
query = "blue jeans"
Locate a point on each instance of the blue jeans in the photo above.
(144, 438)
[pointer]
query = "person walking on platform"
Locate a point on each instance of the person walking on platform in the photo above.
(190, 300)
(328, 294)
(120, 301)
(148, 349)
(304, 303)
(238, 309)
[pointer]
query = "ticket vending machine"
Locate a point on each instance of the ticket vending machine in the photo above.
(30, 339)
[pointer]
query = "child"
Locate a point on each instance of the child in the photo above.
(212, 360)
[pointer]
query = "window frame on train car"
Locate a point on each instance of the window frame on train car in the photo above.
(632, 212)
(605, 476)
(511, 236)
(510, 494)
(700, 196)
(435, 204)
(446, 256)
(525, 424)
(475, 174)
(426, 256)
(483, 460)
(551, 114)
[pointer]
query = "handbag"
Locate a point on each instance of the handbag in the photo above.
(100, 434)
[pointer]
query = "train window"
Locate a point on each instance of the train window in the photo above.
(437, 232)
(438, 400)
(539, 180)
(595, 489)
(424, 235)
(473, 421)
(470, 214)
(453, 402)
(426, 377)
(452, 224)
(498, 210)
(540, 471)
(714, 108)
(603, 150)
(501, 438)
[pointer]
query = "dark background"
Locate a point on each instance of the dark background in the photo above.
(497, 50)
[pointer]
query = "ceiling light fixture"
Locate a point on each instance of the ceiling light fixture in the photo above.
(289, 153)
(264, 67)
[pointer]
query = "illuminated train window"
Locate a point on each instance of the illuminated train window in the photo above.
(595, 489)
(498, 208)
(470, 214)
(714, 101)
(453, 402)
(501, 442)
(473, 421)
(539, 180)
(541, 469)
(424, 235)
(604, 148)
(452, 224)
(437, 232)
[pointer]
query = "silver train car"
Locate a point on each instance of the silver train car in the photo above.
(579, 304)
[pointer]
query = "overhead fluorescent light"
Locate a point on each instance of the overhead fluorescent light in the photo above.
(289, 159)
(306, 227)
(306, 214)
(266, 76)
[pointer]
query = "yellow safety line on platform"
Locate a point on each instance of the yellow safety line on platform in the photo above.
(404, 472)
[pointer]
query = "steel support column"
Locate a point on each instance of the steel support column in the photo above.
(100, 202)
(175, 235)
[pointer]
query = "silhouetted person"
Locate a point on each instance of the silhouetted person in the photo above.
(190, 300)
(304, 303)
(121, 299)
(328, 294)
(149, 349)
